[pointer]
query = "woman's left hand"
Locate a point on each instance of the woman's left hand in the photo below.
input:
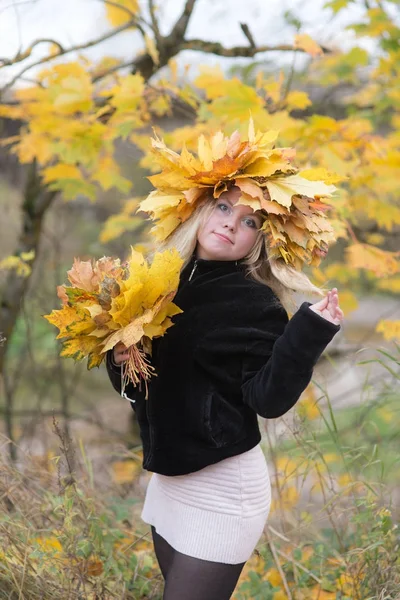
(328, 307)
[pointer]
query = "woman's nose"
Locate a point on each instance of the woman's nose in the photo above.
(230, 223)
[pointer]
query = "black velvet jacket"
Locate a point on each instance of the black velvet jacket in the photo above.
(231, 354)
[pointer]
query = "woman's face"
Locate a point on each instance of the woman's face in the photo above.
(231, 230)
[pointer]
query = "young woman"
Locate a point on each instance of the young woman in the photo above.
(232, 355)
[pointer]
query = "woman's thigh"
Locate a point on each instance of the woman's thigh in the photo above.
(191, 578)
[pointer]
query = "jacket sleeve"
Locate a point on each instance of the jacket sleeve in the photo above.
(114, 373)
(275, 375)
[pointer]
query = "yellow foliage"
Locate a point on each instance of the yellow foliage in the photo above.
(273, 576)
(390, 284)
(281, 595)
(288, 498)
(50, 545)
(125, 471)
(297, 100)
(61, 171)
(348, 301)
(18, 263)
(305, 42)
(152, 49)
(121, 16)
(121, 222)
(317, 593)
(380, 262)
(389, 329)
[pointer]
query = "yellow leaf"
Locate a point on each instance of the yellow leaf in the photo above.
(125, 471)
(49, 545)
(61, 171)
(120, 16)
(348, 301)
(390, 285)
(211, 80)
(288, 497)
(281, 595)
(69, 87)
(281, 189)
(274, 577)
(389, 329)
(380, 262)
(152, 48)
(70, 320)
(305, 42)
(80, 347)
(297, 100)
(321, 174)
(128, 95)
(116, 225)
(15, 262)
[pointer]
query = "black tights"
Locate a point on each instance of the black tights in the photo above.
(188, 578)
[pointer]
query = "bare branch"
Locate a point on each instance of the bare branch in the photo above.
(154, 22)
(46, 59)
(16, 5)
(179, 30)
(245, 51)
(246, 30)
(113, 69)
(20, 56)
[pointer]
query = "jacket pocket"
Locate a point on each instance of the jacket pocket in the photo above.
(223, 422)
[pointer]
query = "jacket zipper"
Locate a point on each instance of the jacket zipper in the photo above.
(193, 270)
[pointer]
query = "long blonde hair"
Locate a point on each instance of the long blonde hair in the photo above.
(283, 279)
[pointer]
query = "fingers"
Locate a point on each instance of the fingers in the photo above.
(322, 304)
(120, 353)
(333, 306)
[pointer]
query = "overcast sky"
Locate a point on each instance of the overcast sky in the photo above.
(75, 21)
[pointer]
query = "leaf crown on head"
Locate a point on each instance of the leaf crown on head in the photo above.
(295, 223)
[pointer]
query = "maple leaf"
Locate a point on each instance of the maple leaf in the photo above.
(109, 303)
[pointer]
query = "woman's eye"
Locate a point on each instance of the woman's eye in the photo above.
(250, 223)
(223, 207)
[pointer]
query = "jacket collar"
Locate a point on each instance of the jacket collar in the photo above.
(201, 265)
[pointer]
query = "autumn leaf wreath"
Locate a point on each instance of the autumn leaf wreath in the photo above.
(132, 302)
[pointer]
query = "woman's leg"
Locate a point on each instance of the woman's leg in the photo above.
(191, 578)
(164, 552)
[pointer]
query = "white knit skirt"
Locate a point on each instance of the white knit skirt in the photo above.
(217, 513)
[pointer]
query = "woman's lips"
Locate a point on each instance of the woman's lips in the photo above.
(223, 237)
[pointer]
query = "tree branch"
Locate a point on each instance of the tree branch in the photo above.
(246, 30)
(245, 51)
(90, 44)
(154, 22)
(20, 56)
(179, 30)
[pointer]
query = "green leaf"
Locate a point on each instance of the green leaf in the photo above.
(337, 5)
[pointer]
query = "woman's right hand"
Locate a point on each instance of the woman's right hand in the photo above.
(120, 353)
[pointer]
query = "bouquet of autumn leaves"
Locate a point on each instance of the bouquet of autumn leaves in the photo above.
(110, 302)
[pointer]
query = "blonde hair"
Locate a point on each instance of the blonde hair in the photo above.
(283, 279)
